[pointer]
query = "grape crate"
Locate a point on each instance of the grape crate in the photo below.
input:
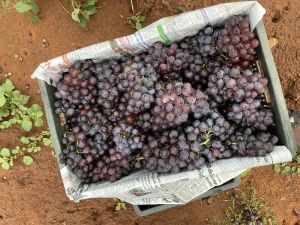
(170, 109)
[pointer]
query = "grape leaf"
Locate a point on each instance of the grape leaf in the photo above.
(27, 160)
(5, 152)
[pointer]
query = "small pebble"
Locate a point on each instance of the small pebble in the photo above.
(4, 178)
(21, 59)
(206, 219)
(16, 55)
(45, 43)
(209, 201)
(296, 212)
(27, 86)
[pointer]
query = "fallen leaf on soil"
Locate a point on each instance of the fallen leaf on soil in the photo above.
(273, 42)
(296, 212)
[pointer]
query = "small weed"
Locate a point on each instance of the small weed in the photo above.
(291, 168)
(81, 11)
(29, 145)
(246, 208)
(13, 109)
(135, 21)
(245, 173)
(31, 8)
(120, 205)
(6, 6)
(182, 8)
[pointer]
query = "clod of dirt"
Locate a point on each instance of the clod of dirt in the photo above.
(45, 43)
(209, 201)
(273, 42)
(7, 74)
(296, 212)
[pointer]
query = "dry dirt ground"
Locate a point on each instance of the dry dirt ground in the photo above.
(35, 195)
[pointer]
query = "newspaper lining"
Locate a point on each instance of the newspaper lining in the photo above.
(144, 187)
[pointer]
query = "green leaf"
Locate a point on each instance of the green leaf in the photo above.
(5, 152)
(118, 207)
(27, 160)
(277, 168)
(138, 26)
(36, 149)
(38, 122)
(294, 169)
(15, 151)
(298, 170)
(75, 15)
(35, 108)
(26, 125)
(39, 114)
(5, 166)
(34, 18)
(47, 141)
(141, 18)
(90, 10)
(4, 112)
(35, 9)
(22, 99)
(7, 86)
(83, 21)
(89, 3)
(11, 162)
(24, 140)
(246, 172)
(298, 158)
(2, 99)
(22, 7)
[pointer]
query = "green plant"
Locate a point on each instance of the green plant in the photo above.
(120, 205)
(13, 108)
(28, 145)
(136, 20)
(247, 208)
(182, 8)
(82, 11)
(6, 6)
(245, 173)
(289, 168)
(31, 8)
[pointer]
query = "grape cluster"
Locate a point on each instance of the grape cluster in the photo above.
(235, 84)
(251, 113)
(172, 108)
(174, 102)
(237, 41)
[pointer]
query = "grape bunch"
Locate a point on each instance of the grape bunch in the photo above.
(174, 102)
(250, 113)
(169, 109)
(237, 41)
(235, 84)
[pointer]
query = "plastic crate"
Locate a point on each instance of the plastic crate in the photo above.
(278, 105)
